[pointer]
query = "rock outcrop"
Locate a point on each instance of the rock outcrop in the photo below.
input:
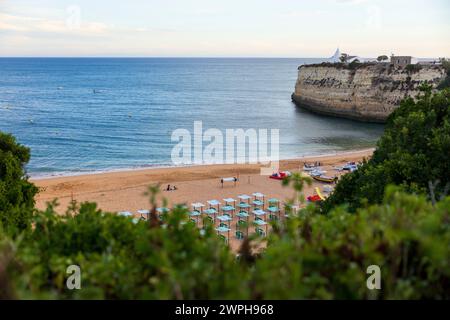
(366, 92)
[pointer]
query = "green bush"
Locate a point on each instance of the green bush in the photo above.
(311, 256)
(16, 192)
(121, 259)
(446, 82)
(412, 153)
(326, 256)
(413, 68)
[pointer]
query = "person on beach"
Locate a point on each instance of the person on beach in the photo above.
(169, 188)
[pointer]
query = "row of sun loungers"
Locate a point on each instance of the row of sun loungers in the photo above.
(245, 211)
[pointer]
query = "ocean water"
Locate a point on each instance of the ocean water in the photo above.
(85, 115)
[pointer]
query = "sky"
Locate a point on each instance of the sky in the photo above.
(219, 28)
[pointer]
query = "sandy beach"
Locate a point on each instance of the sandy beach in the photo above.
(124, 190)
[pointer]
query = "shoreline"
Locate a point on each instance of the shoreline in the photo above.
(40, 177)
(123, 190)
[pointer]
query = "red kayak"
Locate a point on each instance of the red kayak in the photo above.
(314, 198)
(280, 175)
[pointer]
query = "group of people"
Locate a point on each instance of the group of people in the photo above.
(314, 165)
(170, 188)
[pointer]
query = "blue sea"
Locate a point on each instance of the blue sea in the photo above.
(83, 115)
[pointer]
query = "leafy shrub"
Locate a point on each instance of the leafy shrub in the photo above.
(16, 192)
(354, 64)
(446, 82)
(326, 257)
(413, 68)
(311, 256)
(121, 259)
(412, 153)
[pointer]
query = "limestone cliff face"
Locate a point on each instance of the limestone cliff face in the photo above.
(367, 92)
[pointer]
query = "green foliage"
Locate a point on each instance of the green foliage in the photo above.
(382, 58)
(326, 257)
(311, 256)
(445, 63)
(412, 153)
(413, 68)
(121, 259)
(354, 64)
(446, 82)
(16, 192)
(344, 57)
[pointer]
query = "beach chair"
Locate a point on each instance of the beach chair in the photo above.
(143, 214)
(126, 214)
(239, 235)
(198, 206)
(258, 201)
(260, 232)
(222, 237)
(209, 219)
(241, 224)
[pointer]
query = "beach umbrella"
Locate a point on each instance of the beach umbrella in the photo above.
(244, 197)
(274, 201)
(243, 215)
(144, 213)
(221, 230)
(228, 210)
(198, 206)
(258, 199)
(259, 213)
(214, 203)
(229, 206)
(195, 214)
(261, 223)
(224, 219)
(229, 201)
(210, 212)
(127, 214)
(244, 205)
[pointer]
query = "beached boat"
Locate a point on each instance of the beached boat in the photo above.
(310, 167)
(351, 166)
(317, 197)
(280, 175)
(317, 172)
(314, 198)
(326, 179)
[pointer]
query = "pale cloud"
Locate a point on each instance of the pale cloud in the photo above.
(219, 28)
(26, 24)
(351, 2)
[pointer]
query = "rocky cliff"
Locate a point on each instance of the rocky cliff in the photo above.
(367, 92)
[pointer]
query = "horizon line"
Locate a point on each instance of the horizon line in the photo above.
(182, 57)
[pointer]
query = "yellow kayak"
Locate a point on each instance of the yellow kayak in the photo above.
(325, 179)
